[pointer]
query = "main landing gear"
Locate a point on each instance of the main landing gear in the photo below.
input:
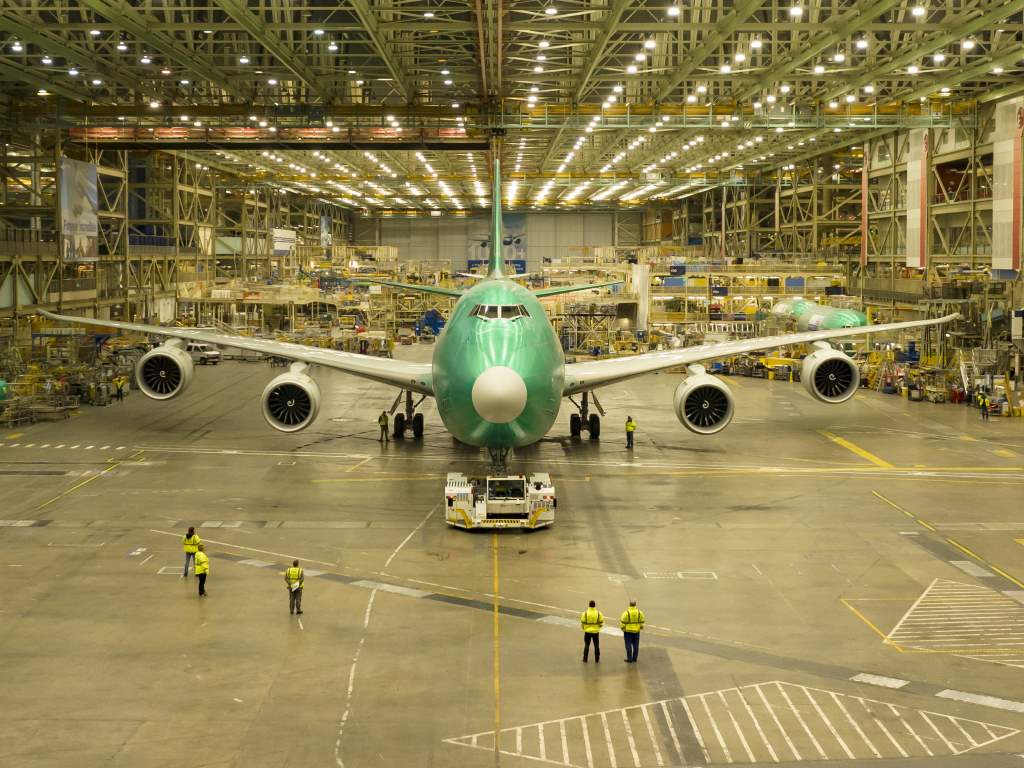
(408, 418)
(585, 420)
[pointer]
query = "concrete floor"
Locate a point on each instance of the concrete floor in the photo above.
(833, 583)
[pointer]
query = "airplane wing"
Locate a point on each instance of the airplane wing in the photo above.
(410, 286)
(598, 373)
(555, 291)
(398, 373)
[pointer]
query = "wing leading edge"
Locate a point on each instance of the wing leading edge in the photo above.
(598, 373)
(398, 373)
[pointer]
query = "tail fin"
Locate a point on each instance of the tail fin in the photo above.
(496, 263)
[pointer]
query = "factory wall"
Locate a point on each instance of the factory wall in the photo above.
(449, 239)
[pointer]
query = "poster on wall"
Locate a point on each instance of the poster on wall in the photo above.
(79, 211)
(283, 241)
(513, 241)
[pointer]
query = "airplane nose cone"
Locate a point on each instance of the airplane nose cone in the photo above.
(499, 395)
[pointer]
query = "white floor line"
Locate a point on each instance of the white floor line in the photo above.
(714, 726)
(911, 731)
(778, 724)
(696, 730)
(540, 740)
(405, 541)
(757, 725)
(249, 549)
(352, 683)
(856, 726)
(736, 727)
(672, 732)
(608, 741)
(586, 742)
(650, 732)
(882, 728)
(629, 738)
(828, 723)
(800, 719)
(565, 744)
(949, 745)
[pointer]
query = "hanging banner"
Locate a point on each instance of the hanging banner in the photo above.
(1006, 185)
(325, 232)
(283, 241)
(917, 199)
(79, 211)
(864, 207)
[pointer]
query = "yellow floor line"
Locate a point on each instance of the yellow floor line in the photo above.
(354, 467)
(871, 625)
(867, 455)
(497, 651)
(971, 553)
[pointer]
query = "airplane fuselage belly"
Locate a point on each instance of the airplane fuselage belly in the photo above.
(525, 349)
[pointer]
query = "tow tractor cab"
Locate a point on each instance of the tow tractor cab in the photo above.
(516, 501)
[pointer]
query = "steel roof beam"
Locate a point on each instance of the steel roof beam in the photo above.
(371, 26)
(994, 13)
(56, 46)
(1009, 57)
(844, 26)
(608, 29)
(27, 75)
(266, 37)
(723, 30)
(143, 29)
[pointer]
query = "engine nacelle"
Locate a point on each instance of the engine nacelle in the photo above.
(291, 402)
(830, 376)
(703, 403)
(164, 372)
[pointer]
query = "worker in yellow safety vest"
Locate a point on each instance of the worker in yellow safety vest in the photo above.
(190, 543)
(382, 422)
(630, 429)
(592, 620)
(294, 580)
(631, 623)
(202, 569)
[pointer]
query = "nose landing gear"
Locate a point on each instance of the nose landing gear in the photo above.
(408, 418)
(585, 420)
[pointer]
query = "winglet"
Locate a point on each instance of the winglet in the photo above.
(496, 264)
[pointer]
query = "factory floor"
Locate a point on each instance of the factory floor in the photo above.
(821, 583)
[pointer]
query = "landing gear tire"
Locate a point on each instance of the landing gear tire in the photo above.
(575, 425)
(594, 426)
(417, 425)
(399, 432)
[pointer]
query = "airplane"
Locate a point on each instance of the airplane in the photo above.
(498, 373)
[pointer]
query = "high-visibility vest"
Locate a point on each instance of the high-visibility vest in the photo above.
(202, 563)
(631, 426)
(294, 574)
(191, 543)
(592, 620)
(383, 420)
(632, 620)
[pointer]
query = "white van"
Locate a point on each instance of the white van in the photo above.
(202, 353)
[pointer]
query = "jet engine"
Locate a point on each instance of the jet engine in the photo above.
(703, 403)
(829, 375)
(164, 372)
(292, 400)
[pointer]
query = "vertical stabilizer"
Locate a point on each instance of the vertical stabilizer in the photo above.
(496, 264)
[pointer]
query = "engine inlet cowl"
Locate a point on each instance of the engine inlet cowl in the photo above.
(291, 402)
(164, 372)
(830, 376)
(703, 404)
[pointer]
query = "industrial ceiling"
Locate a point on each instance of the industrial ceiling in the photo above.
(386, 106)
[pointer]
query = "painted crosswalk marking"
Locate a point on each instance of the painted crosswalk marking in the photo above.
(774, 722)
(964, 619)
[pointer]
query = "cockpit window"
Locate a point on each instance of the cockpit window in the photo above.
(503, 311)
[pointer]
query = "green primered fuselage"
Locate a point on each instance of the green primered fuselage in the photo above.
(498, 380)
